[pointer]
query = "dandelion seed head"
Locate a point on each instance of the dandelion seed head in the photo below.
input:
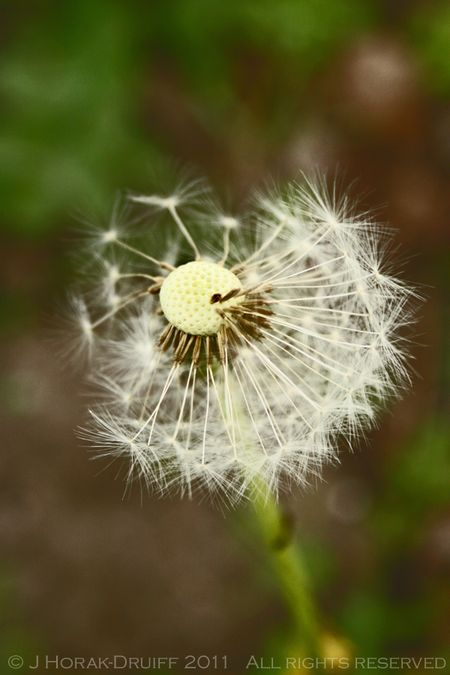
(221, 368)
(191, 297)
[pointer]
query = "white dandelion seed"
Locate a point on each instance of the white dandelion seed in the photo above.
(246, 366)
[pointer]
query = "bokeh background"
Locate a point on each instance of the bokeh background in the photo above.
(100, 95)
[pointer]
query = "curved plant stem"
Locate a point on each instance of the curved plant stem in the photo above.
(287, 563)
(286, 560)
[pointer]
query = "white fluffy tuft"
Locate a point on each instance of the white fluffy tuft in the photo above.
(273, 407)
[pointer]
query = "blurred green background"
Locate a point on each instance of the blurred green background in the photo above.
(98, 96)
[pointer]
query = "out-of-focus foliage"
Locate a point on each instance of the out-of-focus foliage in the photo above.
(73, 77)
(206, 36)
(310, 31)
(419, 475)
(430, 28)
(69, 134)
(385, 607)
(388, 607)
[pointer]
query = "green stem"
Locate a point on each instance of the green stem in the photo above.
(287, 563)
(283, 553)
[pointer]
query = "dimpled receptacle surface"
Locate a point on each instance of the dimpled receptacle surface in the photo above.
(186, 296)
